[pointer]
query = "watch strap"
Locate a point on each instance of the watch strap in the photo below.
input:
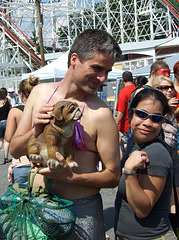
(128, 172)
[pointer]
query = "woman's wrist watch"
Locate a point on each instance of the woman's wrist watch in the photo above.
(128, 172)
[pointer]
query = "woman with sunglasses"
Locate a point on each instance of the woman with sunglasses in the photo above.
(170, 127)
(143, 197)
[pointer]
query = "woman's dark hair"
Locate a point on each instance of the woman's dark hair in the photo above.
(146, 94)
(140, 80)
(3, 93)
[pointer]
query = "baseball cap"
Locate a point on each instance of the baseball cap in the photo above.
(10, 90)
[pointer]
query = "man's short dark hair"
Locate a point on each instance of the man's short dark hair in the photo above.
(127, 76)
(158, 65)
(93, 41)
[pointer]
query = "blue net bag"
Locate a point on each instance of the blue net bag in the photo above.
(33, 213)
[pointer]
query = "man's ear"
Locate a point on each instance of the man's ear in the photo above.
(153, 73)
(74, 58)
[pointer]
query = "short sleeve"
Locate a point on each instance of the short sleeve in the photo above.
(160, 162)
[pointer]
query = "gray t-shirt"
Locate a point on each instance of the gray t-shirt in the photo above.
(127, 224)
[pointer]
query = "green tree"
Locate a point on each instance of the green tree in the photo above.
(35, 40)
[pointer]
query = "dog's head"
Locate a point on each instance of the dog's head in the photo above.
(66, 111)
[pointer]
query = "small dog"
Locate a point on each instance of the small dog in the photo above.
(56, 137)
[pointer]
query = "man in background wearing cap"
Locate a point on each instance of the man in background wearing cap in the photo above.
(12, 97)
(122, 107)
(158, 68)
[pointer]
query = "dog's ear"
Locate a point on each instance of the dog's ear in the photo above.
(58, 110)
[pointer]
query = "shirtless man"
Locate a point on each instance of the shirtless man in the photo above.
(90, 59)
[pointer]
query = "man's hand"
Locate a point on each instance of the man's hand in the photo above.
(63, 173)
(42, 118)
(173, 102)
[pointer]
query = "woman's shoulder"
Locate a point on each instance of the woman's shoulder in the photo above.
(160, 161)
(157, 145)
(13, 113)
(158, 152)
(20, 107)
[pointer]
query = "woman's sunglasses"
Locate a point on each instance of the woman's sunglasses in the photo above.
(156, 118)
(166, 87)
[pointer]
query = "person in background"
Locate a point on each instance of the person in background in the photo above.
(11, 96)
(5, 107)
(140, 81)
(143, 198)
(121, 108)
(158, 68)
(176, 73)
(169, 126)
(18, 170)
(90, 59)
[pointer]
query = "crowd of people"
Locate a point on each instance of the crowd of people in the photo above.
(138, 216)
(147, 117)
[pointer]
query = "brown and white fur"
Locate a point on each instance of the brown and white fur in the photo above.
(56, 137)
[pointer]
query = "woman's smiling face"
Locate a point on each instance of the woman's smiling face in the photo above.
(144, 130)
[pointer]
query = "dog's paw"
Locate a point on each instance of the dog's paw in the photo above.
(52, 163)
(35, 158)
(72, 164)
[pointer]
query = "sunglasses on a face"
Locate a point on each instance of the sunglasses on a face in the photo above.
(156, 118)
(166, 87)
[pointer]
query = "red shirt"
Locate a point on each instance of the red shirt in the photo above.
(122, 104)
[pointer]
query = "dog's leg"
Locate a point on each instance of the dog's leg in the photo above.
(71, 162)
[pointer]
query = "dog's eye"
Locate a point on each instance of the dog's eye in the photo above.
(71, 109)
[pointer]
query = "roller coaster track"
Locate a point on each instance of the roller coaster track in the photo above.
(173, 10)
(18, 39)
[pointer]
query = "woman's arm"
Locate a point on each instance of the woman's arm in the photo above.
(13, 119)
(142, 191)
(34, 118)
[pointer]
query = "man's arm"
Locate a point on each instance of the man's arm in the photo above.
(119, 117)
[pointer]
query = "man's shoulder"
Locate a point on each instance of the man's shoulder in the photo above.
(95, 103)
(45, 85)
(131, 87)
(128, 89)
(43, 88)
